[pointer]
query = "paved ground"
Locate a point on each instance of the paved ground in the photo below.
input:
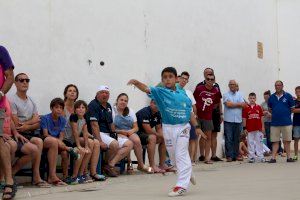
(241, 181)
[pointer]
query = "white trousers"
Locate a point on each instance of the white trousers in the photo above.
(255, 144)
(177, 144)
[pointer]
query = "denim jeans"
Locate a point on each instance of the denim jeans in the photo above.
(232, 133)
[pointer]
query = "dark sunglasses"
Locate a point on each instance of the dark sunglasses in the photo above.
(210, 79)
(22, 80)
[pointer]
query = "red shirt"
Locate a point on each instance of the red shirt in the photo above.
(253, 117)
(206, 100)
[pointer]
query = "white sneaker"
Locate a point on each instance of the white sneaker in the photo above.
(177, 191)
(193, 180)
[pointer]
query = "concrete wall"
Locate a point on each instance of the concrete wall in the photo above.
(52, 41)
(289, 43)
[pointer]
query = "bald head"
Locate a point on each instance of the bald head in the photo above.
(232, 85)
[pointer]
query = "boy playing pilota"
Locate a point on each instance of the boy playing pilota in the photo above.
(176, 111)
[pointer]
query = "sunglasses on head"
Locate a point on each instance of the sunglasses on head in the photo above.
(22, 80)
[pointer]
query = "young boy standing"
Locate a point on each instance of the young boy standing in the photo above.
(296, 122)
(176, 110)
(253, 125)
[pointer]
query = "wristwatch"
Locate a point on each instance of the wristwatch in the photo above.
(197, 127)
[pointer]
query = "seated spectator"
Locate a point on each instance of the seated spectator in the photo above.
(27, 122)
(126, 126)
(99, 118)
(147, 119)
(53, 125)
(71, 93)
(243, 149)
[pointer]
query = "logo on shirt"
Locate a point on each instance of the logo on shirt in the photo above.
(284, 100)
(207, 102)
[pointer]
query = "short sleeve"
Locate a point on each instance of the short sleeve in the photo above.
(5, 59)
(270, 102)
(92, 113)
(191, 96)
(44, 124)
(261, 112)
(225, 98)
(73, 118)
(244, 115)
(13, 107)
(63, 124)
(132, 115)
(35, 110)
(154, 93)
(291, 101)
(145, 118)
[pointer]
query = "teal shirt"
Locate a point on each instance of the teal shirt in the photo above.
(175, 106)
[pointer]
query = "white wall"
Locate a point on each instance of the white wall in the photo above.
(289, 43)
(52, 41)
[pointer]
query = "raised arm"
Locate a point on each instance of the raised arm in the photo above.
(141, 86)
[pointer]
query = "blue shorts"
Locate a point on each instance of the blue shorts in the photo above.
(193, 135)
(296, 132)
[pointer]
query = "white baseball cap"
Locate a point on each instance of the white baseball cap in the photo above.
(103, 88)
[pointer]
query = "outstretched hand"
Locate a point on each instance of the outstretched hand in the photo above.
(132, 82)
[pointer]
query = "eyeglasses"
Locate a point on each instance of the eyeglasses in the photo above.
(185, 79)
(22, 80)
(210, 79)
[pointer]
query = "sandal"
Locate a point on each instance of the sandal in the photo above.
(98, 177)
(9, 195)
(59, 183)
(129, 168)
(162, 171)
(208, 162)
(146, 169)
(42, 184)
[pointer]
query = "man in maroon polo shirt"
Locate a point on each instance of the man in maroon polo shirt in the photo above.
(207, 97)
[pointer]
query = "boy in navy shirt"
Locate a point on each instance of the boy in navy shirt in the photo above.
(53, 125)
(176, 110)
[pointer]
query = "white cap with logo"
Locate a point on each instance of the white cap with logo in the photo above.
(103, 88)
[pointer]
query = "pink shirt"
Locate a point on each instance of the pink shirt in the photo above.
(7, 118)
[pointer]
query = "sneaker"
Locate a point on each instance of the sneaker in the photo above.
(216, 159)
(201, 158)
(251, 160)
(168, 162)
(229, 159)
(74, 154)
(295, 158)
(71, 181)
(177, 191)
(193, 180)
(193, 163)
(87, 178)
(262, 160)
(290, 160)
(272, 160)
